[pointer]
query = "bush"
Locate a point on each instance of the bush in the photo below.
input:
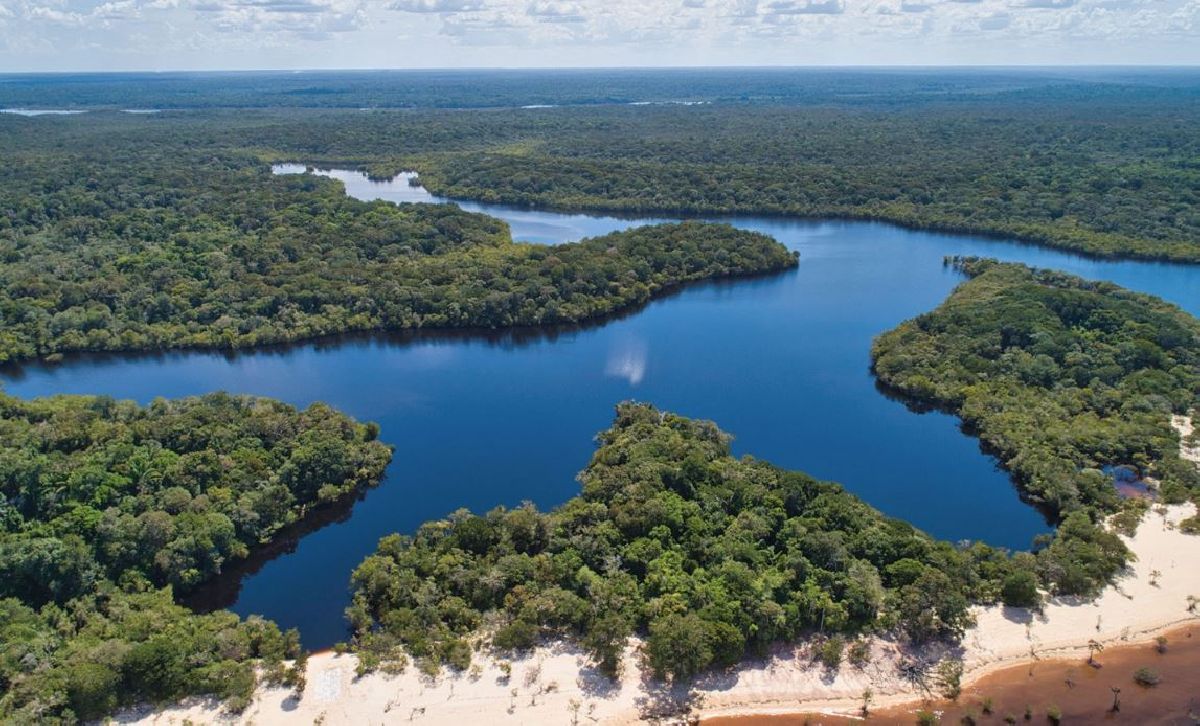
(1020, 589)
(830, 652)
(949, 676)
(859, 653)
(1147, 677)
(927, 718)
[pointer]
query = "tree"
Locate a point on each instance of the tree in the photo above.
(678, 646)
(1020, 589)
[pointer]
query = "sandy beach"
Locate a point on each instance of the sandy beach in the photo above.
(554, 685)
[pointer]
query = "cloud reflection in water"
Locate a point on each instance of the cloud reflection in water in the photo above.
(627, 359)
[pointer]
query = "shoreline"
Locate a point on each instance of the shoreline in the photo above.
(1025, 676)
(999, 640)
(554, 684)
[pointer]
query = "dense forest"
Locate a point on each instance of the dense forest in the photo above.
(515, 87)
(708, 556)
(1062, 378)
(1107, 176)
(131, 249)
(1098, 163)
(110, 508)
(164, 230)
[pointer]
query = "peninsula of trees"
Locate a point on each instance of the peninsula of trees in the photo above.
(709, 557)
(115, 246)
(1063, 379)
(109, 508)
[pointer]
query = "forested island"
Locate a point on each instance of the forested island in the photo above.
(110, 508)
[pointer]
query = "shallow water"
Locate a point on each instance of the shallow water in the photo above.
(1081, 693)
(480, 420)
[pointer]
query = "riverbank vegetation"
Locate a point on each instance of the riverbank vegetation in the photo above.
(134, 250)
(1063, 379)
(1102, 166)
(1109, 176)
(110, 508)
(706, 556)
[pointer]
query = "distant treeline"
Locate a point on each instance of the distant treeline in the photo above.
(456, 89)
(1102, 163)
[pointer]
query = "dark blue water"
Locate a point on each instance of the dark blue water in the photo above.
(780, 362)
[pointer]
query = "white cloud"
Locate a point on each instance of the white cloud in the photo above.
(436, 6)
(1048, 4)
(97, 34)
(555, 11)
(995, 21)
(806, 7)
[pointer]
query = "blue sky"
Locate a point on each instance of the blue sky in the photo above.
(251, 34)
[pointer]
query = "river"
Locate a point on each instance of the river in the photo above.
(480, 420)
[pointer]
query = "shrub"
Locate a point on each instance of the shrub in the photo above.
(830, 653)
(949, 675)
(859, 653)
(1147, 677)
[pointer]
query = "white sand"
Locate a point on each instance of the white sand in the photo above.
(1189, 451)
(554, 685)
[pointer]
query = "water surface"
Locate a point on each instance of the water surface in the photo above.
(478, 421)
(33, 112)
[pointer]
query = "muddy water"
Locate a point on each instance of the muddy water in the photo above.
(1082, 693)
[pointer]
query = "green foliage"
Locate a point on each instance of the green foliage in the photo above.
(1020, 589)
(1060, 377)
(859, 653)
(168, 493)
(1147, 677)
(109, 649)
(708, 556)
(1103, 167)
(126, 248)
(949, 678)
(95, 492)
(830, 652)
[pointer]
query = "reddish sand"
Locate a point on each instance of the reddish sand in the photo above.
(1081, 692)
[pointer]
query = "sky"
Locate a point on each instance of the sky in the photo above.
(75, 35)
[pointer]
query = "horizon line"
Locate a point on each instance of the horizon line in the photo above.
(501, 69)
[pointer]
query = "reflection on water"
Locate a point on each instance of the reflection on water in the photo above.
(486, 418)
(31, 112)
(527, 225)
(627, 360)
